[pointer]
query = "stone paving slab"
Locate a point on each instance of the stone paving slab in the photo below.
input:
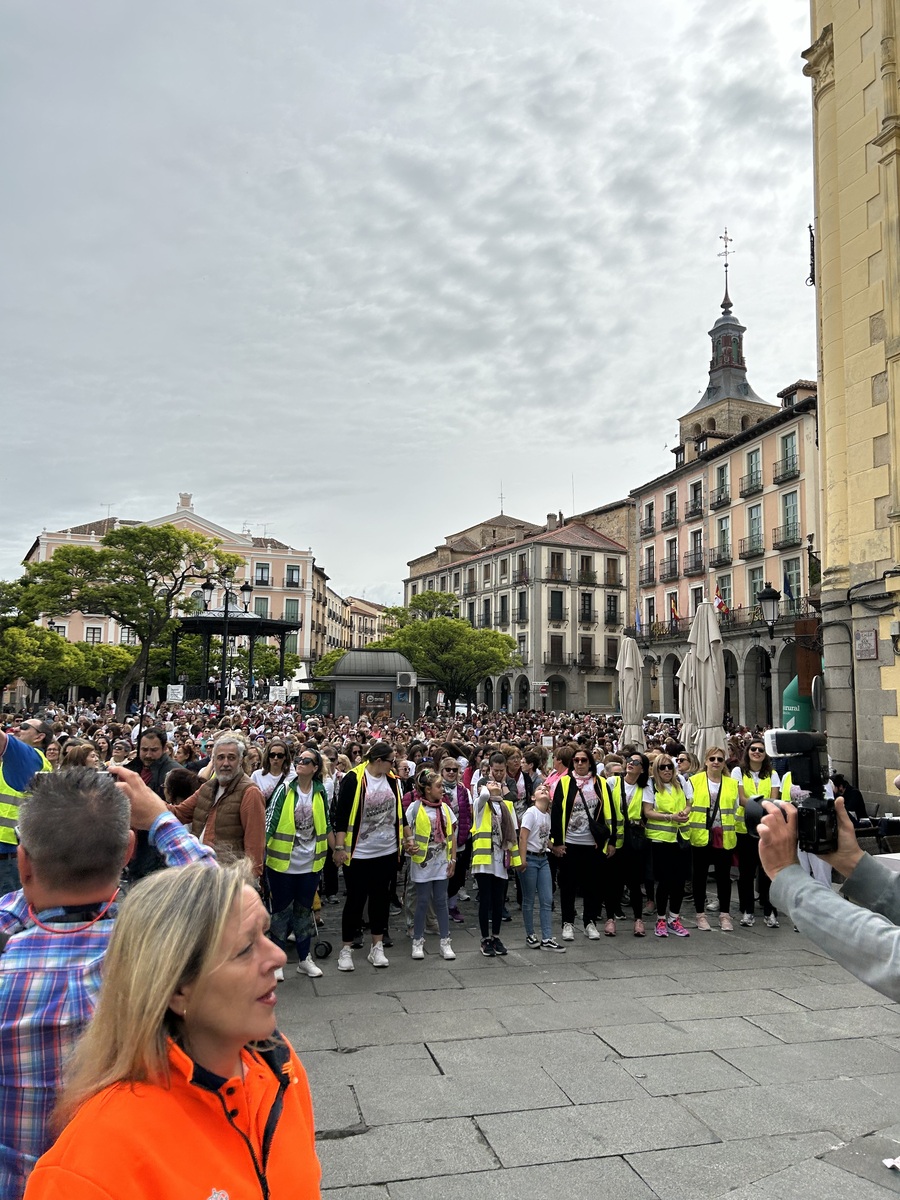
(390, 1152)
(814, 1180)
(825, 1060)
(605, 1014)
(370, 1062)
(764, 960)
(831, 1025)
(591, 1178)
(376, 1192)
(592, 1130)
(766, 978)
(720, 1004)
(831, 995)
(845, 1106)
(395, 1100)
(863, 1158)
(544, 1049)
(705, 1172)
(334, 1106)
(684, 1037)
(385, 1031)
(682, 1073)
(502, 995)
(306, 1036)
(595, 991)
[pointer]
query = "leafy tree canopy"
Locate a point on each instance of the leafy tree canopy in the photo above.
(452, 653)
(423, 607)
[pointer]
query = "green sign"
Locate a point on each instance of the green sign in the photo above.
(796, 710)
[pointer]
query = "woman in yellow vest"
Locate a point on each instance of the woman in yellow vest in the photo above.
(429, 832)
(757, 779)
(298, 835)
(578, 799)
(625, 850)
(666, 816)
(495, 848)
(711, 825)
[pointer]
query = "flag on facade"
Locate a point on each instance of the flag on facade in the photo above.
(673, 608)
(718, 603)
(637, 618)
(788, 591)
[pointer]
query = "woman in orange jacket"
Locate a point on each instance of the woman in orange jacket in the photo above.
(181, 1085)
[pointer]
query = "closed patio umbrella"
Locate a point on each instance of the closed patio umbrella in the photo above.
(687, 699)
(705, 640)
(630, 666)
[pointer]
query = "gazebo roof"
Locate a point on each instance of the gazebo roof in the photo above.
(356, 664)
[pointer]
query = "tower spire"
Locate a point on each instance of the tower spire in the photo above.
(726, 299)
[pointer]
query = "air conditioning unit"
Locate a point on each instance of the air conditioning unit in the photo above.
(406, 679)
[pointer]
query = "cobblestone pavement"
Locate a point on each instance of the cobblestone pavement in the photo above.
(745, 1063)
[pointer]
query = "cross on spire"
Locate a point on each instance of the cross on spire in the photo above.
(726, 301)
(501, 497)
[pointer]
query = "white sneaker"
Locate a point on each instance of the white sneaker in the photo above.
(377, 956)
(712, 906)
(591, 931)
(771, 921)
(308, 967)
(463, 895)
(446, 949)
(418, 950)
(279, 974)
(568, 933)
(345, 959)
(747, 920)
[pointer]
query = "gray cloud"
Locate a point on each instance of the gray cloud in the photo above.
(341, 268)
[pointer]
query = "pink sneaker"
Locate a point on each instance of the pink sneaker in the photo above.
(661, 930)
(677, 928)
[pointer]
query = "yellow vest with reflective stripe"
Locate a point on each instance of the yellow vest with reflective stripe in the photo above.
(360, 773)
(728, 804)
(570, 786)
(763, 789)
(9, 805)
(482, 851)
(280, 842)
(658, 828)
(634, 812)
(422, 832)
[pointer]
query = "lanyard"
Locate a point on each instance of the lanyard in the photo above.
(78, 928)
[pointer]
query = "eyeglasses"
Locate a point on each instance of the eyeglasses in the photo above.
(275, 754)
(682, 758)
(450, 770)
(307, 762)
(580, 758)
(715, 758)
(666, 766)
(634, 762)
(757, 749)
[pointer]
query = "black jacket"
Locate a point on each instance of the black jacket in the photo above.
(146, 859)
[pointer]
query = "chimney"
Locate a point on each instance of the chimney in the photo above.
(551, 520)
(184, 500)
(560, 519)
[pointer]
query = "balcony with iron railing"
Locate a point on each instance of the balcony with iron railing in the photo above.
(587, 578)
(521, 576)
(746, 620)
(612, 618)
(553, 658)
(611, 580)
(693, 508)
(720, 497)
(694, 562)
(647, 575)
(470, 589)
(587, 616)
(669, 518)
(751, 484)
(502, 620)
(292, 583)
(785, 536)
(752, 547)
(484, 620)
(668, 570)
(648, 526)
(557, 616)
(786, 468)
(521, 617)
(585, 662)
(557, 575)
(720, 556)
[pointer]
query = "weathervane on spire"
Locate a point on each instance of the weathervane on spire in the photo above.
(726, 302)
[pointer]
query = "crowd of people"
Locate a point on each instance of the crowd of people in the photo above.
(236, 833)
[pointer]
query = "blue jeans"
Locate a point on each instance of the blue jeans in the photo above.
(292, 897)
(9, 874)
(536, 878)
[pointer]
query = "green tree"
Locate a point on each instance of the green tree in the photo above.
(328, 662)
(43, 659)
(452, 653)
(136, 576)
(423, 607)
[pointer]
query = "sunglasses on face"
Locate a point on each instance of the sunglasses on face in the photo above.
(580, 758)
(715, 758)
(666, 766)
(276, 754)
(307, 762)
(634, 762)
(757, 749)
(451, 770)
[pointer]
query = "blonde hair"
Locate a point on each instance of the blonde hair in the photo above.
(168, 934)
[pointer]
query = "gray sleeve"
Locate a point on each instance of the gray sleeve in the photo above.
(876, 887)
(865, 943)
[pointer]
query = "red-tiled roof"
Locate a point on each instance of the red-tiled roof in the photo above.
(106, 525)
(805, 384)
(269, 543)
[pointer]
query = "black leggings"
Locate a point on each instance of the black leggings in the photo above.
(748, 867)
(491, 892)
(458, 878)
(668, 871)
(367, 879)
(624, 869)
(581, 870)
(720, 860)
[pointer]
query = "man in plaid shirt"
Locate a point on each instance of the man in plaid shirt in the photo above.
(76, 832)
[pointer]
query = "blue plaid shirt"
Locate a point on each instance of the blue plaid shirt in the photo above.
(49, 980)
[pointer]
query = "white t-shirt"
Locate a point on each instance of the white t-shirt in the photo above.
(435, 864)
(578, 832)
(538, 825)
(304, 849)
(497, 865)
(377, 826)
(267, 783)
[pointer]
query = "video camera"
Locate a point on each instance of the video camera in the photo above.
(816, 815)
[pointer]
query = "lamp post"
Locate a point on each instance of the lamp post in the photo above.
(768, 600)
(226, 578)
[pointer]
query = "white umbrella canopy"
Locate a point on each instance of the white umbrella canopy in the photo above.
(630, 666)
(687, 700)
(705, 640)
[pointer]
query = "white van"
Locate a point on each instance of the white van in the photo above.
(661, 717)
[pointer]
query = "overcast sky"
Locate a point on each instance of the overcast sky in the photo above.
(339, 267)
